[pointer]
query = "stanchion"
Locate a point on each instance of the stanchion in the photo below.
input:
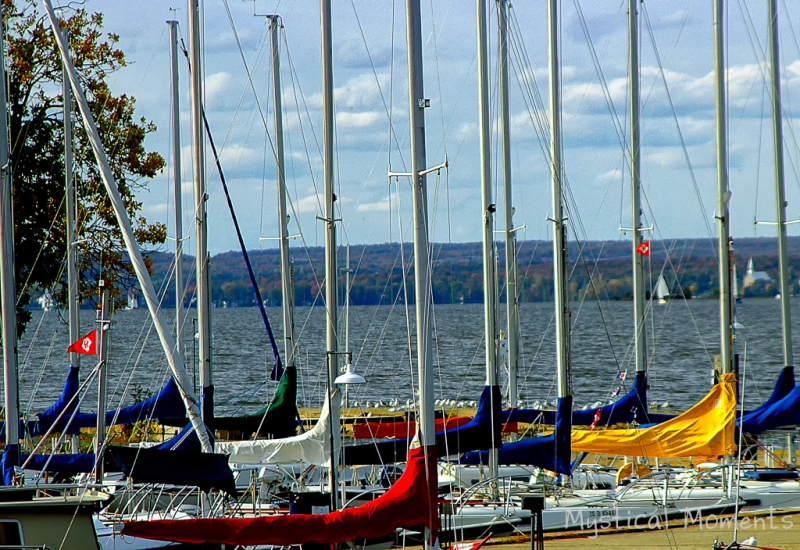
(535, 503)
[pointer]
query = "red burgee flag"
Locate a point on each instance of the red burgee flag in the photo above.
(643, 248)
(86, 345)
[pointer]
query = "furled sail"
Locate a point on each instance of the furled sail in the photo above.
(410, 503)
(631, 407)
(276, 420)
(204, 470)
(482, 432)
(312, 447)
(781, 409)
(167, 402)
(707, 429)
(552, 452)
(46, 419)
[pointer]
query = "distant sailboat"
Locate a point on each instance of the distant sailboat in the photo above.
(662, 290)
(133, 300)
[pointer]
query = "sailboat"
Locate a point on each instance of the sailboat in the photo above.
(662, 290)
(28, 520)
(412, 500)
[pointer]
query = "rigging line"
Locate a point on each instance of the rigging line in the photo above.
(45, 362)
(610, 106)
(386, 107)
(278, 371)
(684, 149)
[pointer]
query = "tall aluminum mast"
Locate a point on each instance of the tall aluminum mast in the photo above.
(176, 177)
(640, 336)
(559, 227)
(723, 195)
(512, 296)
(275, 26)
(200, 203)
(780, 186)
(488, 207)
(331, 275)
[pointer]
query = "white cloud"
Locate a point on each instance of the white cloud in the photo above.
(215, 86)
(357, 120)
(610, 176)
(310, 204)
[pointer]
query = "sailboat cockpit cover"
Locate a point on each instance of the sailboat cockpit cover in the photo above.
(781, 409)
(552, 452)
(409, 504)
(707, 429)
(482, 432)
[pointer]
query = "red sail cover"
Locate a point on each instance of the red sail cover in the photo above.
(402, 428)
(410, 503)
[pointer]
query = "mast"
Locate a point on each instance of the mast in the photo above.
(331, 287)
(176, 177)
(423, 304)
(723, 195)
(8, 291)
(559, 227)
(489, 283)
(512, 297)
(200, 199)
(73, 279)
(275, 25)
(640, 336)
(780, 192)
(174, 359)
(102, 382)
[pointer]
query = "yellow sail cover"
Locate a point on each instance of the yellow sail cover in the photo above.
(707, 429)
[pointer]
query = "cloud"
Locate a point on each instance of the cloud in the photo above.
(608, 177)
(383, 205)
(215, 87)
(310, 204)
(357, 120)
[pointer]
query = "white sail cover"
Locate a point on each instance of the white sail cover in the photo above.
(312, 447)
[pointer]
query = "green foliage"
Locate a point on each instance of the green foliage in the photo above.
(36, 109)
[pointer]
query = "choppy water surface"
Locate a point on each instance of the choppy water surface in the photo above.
(683, 338)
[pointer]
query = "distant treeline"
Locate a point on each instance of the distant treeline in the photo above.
(599, 269)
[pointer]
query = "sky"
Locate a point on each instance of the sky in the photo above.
(679, 167)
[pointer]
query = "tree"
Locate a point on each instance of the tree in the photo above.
(35, 113)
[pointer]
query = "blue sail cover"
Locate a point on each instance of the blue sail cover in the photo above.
(552, 452)
(629, 408)
(204, 470)
(482, 432)
(781, 409)
(7, 462)
(167, 402)
(49, 417)
(65, 464)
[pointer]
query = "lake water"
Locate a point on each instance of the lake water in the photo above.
(683, 338)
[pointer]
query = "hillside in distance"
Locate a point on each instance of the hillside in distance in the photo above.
(599, 269)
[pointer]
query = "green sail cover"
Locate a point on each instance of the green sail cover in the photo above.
(278, 419)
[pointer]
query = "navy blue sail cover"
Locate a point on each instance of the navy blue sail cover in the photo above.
(64, 464)
(629, 408)
(204, 470)
(49, 417)
(552, 452)
(781, 409)
(481, 432)
(167, 402)
(10, 459)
